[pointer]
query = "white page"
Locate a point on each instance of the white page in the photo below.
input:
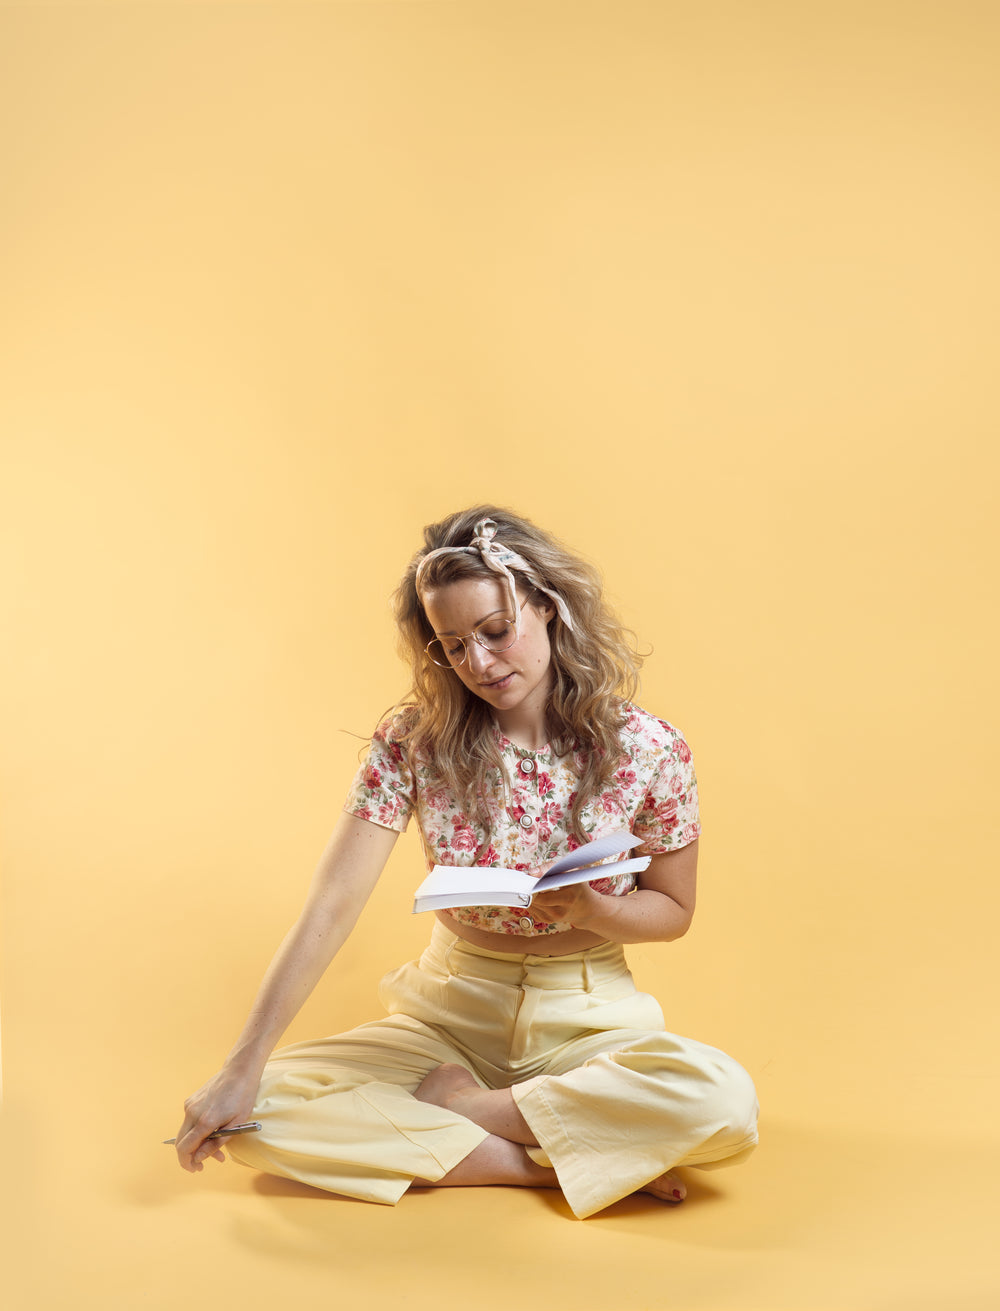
(592, 872)
(450, 900)
(611, 845)
(474, 879)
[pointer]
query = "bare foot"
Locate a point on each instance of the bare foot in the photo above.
(448, 1085)
(668, 1188)
(493, 1109)
(454, 1087)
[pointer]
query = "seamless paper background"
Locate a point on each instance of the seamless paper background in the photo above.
(708, 289)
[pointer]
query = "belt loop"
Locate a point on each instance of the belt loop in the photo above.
(587, 977)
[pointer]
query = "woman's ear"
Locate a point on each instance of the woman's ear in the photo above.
(543, 604)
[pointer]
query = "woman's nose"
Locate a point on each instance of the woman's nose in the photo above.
(479, 657)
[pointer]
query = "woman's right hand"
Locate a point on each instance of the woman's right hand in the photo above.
(226, 1100)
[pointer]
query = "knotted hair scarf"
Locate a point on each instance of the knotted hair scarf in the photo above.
(501, 560)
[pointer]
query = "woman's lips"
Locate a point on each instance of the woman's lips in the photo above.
(499, 684)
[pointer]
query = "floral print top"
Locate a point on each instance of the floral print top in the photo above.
(654, 795)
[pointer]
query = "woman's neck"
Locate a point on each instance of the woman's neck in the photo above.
(527, 741)
(526, 724)
(525, 728)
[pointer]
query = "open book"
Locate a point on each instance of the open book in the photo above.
(488, 885)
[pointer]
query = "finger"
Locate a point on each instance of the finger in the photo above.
(552, 900)
(206, 1151)
(193, 1145)
(185, 1147)
(543, 869)
(197, 1146)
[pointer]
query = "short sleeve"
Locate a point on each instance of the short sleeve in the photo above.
(384, 789)
(668, 818)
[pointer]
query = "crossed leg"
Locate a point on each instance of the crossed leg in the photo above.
(501, 1158)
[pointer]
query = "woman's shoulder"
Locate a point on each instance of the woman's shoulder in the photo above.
(394, 732)
(648, 730)
(397, 724)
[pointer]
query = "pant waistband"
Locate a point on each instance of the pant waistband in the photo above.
(581, 969)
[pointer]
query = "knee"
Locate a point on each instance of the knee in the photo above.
(733, 1099)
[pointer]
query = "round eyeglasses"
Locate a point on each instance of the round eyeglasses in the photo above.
(493, 634)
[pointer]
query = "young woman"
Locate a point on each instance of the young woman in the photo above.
(516, 1050)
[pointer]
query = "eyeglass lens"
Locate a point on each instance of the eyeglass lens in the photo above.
(495, 635)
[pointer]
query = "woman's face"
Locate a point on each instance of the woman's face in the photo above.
(515, 682)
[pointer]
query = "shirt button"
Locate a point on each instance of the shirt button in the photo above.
(527, 766)
(526, 821)
(526, 923)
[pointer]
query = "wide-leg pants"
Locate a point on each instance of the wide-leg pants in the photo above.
(612, 1099)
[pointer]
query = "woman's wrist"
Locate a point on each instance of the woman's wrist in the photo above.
(592, 911)
(246, 1062)
(642, 916)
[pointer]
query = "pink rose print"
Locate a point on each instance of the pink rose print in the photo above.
(676, 785)
(666, 814)
(683, 751)
(438, 799)
(545, 785)
(373, 779)
(463, 839)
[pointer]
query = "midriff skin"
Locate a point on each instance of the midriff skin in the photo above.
(527, 944)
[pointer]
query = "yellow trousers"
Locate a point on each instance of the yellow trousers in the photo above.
(612, 1099)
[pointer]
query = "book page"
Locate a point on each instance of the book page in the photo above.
(612, 844)
(477, 882)
(591, 872)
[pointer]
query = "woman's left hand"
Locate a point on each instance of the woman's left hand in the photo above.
(575, 904)
(659, 910)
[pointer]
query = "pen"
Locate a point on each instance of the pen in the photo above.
(250, 1127)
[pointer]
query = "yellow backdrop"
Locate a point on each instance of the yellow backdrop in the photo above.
(708, 289)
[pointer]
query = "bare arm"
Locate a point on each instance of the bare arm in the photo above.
(347, 872)
(659, 910)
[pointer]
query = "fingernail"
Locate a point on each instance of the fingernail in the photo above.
(676, 1193)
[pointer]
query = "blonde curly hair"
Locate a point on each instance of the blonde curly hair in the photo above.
(595, 666)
